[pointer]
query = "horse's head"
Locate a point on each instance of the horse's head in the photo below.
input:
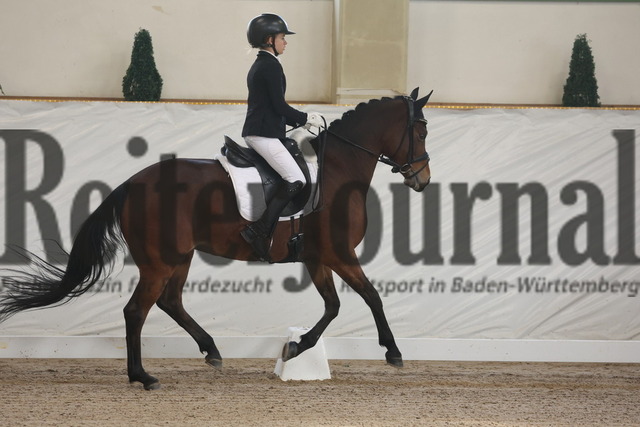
(408, 154)
(392, 131)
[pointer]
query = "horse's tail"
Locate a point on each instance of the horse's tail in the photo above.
(93, 252)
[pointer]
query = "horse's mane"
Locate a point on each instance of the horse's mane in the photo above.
(338, 125)
(358, 111)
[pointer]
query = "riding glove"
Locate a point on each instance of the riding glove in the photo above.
(315, 120)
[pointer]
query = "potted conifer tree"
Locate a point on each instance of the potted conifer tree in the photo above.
(581, 88)
(142, 82)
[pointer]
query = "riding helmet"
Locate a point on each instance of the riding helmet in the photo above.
(264, 26)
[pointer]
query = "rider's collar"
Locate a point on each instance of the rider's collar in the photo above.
(270, 53)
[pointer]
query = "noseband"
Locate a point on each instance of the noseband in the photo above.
(405, 169)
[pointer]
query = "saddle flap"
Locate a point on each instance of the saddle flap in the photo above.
(243, 157)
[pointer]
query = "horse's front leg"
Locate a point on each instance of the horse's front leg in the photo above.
(353, 275)
(323, 280)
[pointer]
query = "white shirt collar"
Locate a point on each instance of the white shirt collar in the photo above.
(270, 53)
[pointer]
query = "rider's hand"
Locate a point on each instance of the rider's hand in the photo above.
(315, 120)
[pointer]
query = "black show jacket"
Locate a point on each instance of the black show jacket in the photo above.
(267, 112)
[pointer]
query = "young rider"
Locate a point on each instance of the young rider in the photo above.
(264, 128)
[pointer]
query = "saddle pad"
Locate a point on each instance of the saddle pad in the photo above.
(249, 192)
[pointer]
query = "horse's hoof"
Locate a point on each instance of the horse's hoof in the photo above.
(152, 386)
(216, 363)
(289, 351)
(395, 361)
(148, 382)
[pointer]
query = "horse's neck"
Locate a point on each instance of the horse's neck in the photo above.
(348, 163)
(352, 147)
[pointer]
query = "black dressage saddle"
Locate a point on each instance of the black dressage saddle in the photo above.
(243, 157)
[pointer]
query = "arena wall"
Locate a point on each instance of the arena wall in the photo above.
(508, 52)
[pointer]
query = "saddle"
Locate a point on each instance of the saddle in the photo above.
(243, 157)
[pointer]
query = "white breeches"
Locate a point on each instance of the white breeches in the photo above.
(272, 150)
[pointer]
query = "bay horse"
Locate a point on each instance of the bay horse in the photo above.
(169, 210)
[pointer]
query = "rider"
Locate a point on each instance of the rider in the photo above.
(264, 126)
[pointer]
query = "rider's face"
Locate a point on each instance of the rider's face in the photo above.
(279, 43)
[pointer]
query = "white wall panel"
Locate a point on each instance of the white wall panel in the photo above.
(468, 51)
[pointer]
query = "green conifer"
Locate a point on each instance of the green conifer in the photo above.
(581, 88)
(142, 82)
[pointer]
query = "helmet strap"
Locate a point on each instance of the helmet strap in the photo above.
(272, 45)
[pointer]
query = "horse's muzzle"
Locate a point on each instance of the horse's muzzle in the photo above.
(417, 184)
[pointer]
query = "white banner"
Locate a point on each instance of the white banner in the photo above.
(529, 229)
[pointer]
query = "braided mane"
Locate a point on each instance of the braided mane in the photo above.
(358, 111)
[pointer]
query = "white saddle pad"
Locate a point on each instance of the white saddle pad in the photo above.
(249, 193)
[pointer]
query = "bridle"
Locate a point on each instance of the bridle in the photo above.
(405, 169)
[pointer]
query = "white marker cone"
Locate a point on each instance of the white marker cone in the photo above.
(310, 365)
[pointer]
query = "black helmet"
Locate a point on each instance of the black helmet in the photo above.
(264, 26)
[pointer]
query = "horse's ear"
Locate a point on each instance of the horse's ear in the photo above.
(414, 94)
(422, 102)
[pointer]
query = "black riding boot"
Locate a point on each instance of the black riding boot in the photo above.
(259, 233)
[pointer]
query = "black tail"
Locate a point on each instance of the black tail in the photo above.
(92, 254)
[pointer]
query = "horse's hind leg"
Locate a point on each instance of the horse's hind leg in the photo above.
(353, 275)
(323, 280)
(171, 303)
(147, 292)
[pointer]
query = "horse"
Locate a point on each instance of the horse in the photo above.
(171, 209)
